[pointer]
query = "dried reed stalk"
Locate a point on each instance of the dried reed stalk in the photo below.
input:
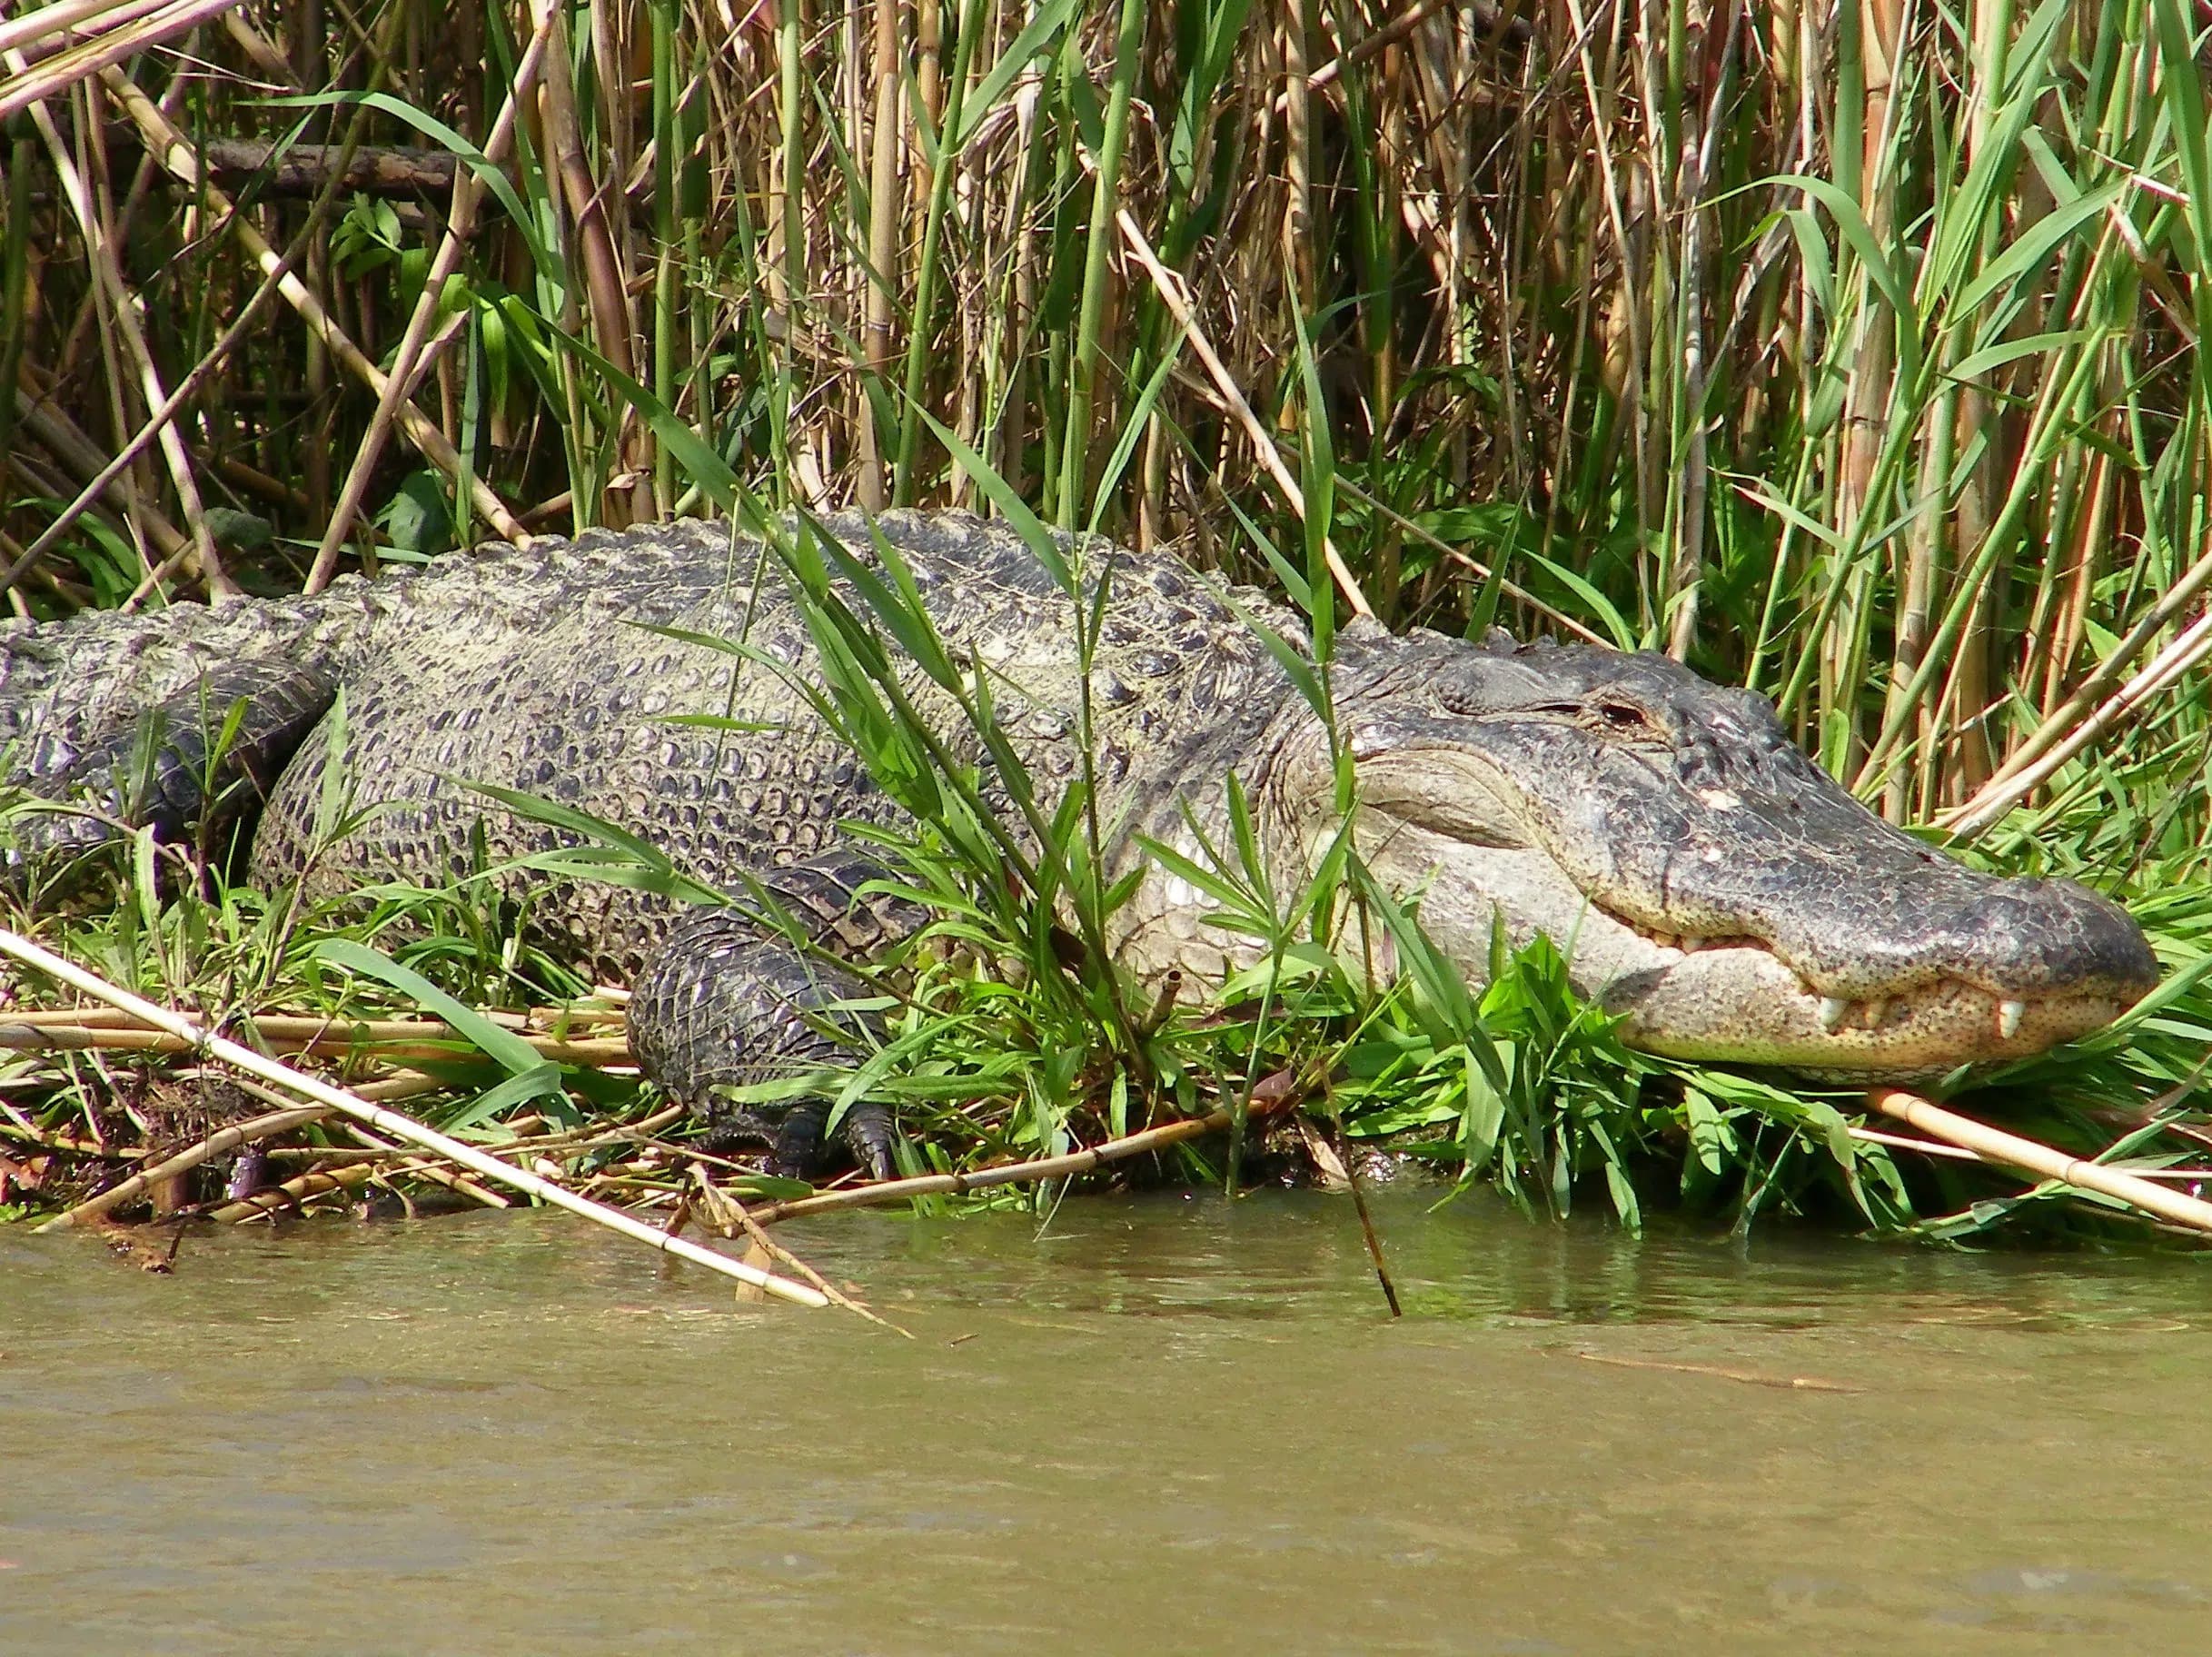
(132, 28)
(231, 1138)
(322, 1038)
(398, 1126)
(176, 153)
(1265, 1101)
(408, 359)
(1994, 1144)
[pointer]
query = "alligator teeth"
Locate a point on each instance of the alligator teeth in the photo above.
(2008, 1016)
(1665, 940)
(1876, 1011)
(1834, 1009)
(1691, 945)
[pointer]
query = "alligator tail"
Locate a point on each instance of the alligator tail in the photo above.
(174, 720)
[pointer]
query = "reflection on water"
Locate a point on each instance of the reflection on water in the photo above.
(1164, 1425)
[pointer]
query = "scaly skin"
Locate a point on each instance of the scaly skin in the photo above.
(1706, 879)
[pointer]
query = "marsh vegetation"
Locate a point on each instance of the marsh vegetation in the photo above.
(1846, 353)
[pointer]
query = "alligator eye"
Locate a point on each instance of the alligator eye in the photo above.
(1622, 718)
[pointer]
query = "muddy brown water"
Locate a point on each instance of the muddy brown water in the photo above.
(1160, 1424)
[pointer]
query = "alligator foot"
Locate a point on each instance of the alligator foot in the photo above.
(724, 1005)
(798, 1144)
(802, 1146)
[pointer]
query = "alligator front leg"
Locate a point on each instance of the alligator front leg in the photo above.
(729, 1002)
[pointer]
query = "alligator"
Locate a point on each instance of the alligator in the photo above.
(1706, 880)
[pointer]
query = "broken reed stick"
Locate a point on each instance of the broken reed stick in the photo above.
(113, 295)
(1016, 1172)
(138, 29)
(590, 1135)
(398, 1126)
(1172, 294)
(176, 155)
(1917, 1145)
(70, 1146)
(400, 1085)
(1994, 1144)
(66, 16)
(329, 1159)
(407, 1082)
(437, 1176)
(319, 1182)
(1367, 1231)
(546, 1021)
(214, 1144)
(729, 1217)
(326, 1038)
(412, 355)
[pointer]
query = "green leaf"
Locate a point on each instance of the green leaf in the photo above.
(510, 1050)
(1040, 540)
(535, 808)
(1036, 40)
(417, 517)
(493, 178)
(542, 1078)
(1852, 223)
(2033, 247)
(1981, 361)
(1601, 607)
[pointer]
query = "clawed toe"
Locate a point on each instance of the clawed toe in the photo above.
(872, 1138)
(802, 1146)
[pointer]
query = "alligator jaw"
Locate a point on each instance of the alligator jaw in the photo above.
(1736, 1000)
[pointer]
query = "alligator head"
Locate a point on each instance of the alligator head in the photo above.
(1706, 880)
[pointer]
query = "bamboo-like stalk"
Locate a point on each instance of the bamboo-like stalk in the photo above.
(587, 1137)
(177, 155)
(665, 238)
(156, 422)
(320, 1181)
(308, 27)
(131, 503)
(1090, 316)
(421, 1168)
(884, 215)
(731, 1219)
(133, 28)
(612, 329)
(2187, 652)
(1262, 444)
(327, 1042)
(400, 381)
(72, 17)
(390, 1122)
(108, 277)
(922, 333)
(281, 1026)
(336, 1170)
(1074, 1163)
(1994, 1144)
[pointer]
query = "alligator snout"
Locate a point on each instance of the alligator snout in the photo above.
(1911, 927)
(2038, 938)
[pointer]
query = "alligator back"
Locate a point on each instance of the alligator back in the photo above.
(541, 670)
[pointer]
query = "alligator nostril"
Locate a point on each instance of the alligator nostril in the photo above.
(2055, 935)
